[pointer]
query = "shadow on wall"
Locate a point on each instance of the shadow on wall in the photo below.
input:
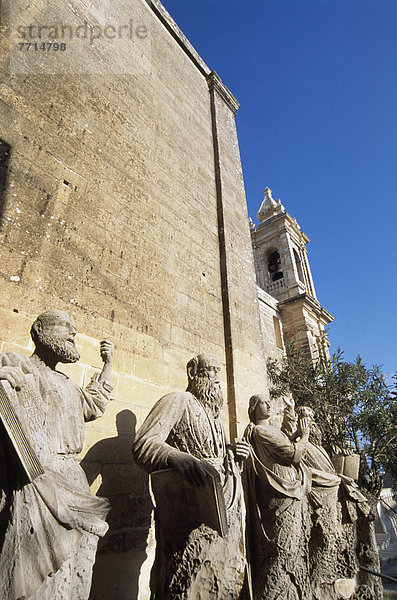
(5, 152)
(122, 551)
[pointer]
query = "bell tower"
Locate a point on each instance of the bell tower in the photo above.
(283, 271)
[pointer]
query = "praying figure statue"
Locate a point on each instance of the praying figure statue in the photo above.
(334, 500)
(277, 483)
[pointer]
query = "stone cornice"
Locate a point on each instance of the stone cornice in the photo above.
(290, 222)
(178, 36)
(215, 83)
(327, 317)
(213, 79)
(312, 304)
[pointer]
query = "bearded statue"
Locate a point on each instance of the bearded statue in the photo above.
(183, 434)
(50, 521)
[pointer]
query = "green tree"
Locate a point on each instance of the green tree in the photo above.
(356, 408)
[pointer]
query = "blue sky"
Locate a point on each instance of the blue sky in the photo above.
(317, 84)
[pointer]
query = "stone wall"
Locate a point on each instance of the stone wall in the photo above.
(272, 325)
(111, 197)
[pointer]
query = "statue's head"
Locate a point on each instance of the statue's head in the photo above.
(305, 411)
(204, 382)
(53, 333)
(261, 407)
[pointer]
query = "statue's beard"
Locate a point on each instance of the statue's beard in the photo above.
(64, 350)
(208, 392)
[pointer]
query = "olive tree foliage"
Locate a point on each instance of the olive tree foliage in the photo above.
(354, 406)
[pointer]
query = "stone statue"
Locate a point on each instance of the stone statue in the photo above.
(326, 529)
(50, 523)
(277, 484)
(184, 433)
(332, 559)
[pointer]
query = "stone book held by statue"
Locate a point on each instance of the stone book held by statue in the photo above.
(176, 498)
(12, 424)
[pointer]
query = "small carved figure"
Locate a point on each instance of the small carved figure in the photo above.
(326, 529)
(184, 432)
(277, 484)
(332, 560)
(50, 523)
